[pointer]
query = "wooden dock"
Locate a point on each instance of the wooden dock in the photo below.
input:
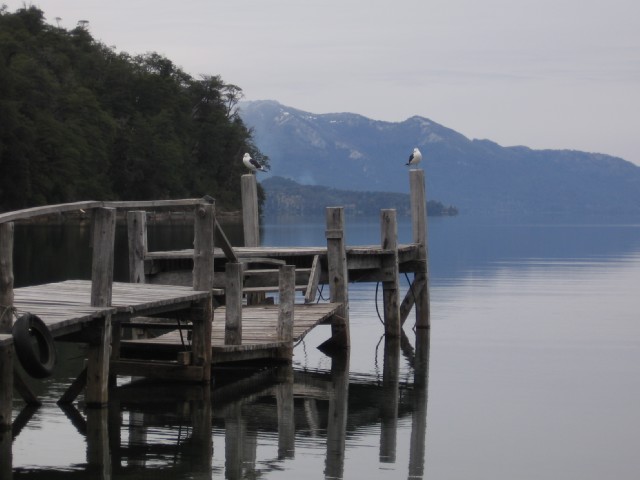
(195, 308)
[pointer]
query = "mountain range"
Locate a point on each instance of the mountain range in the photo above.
(351, 152)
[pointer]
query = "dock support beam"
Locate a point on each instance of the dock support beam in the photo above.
(419, 224)
(203, 281)
(390, 288)
(338, 276)
(98, 358)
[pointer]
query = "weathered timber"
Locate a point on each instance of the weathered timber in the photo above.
(137, 238)
(6, 277)
(390, 288)
(233, 303)
(202, 315)
(314, 280)
(104, 227)
(338, 275)
(250, 214)
(419, 225)
(286, 303)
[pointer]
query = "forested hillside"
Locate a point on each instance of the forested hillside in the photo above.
(80, 121)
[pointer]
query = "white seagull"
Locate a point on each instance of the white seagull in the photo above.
(252, 164)
(415, 157)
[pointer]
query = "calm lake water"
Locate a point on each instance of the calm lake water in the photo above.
(532, 371)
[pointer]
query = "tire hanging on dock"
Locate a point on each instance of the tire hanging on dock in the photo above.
(34, 346)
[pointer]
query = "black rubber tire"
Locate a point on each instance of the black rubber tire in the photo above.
(34, 346)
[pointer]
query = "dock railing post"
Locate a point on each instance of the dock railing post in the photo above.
(419, 224)
(137, 240)
(286, 289)
(6, 277)
(390, 287)
(98, 358)
(233, 304)
(203, 281)
(251, 222)
(338, 275)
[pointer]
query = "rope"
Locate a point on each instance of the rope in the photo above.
(376, 304)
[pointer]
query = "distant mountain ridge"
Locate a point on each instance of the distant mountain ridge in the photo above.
(351, 152)
(288, 198)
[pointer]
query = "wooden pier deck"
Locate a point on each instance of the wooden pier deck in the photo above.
(259, 333)
(189, 284)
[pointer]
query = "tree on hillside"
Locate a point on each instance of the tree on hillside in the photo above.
(80, 121)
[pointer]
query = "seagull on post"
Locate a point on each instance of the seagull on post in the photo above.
(415, 157)
(252, 164)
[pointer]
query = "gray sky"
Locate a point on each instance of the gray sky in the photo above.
(540, 73)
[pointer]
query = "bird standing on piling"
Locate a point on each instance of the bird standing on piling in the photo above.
(415, 157)
(252, 164)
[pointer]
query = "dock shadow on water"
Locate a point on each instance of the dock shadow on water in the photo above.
(251, 423)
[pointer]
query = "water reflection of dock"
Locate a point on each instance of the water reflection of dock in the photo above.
(151, 427)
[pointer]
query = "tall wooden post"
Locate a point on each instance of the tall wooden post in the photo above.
(251, 222)
(338, 275)
(419, 223)
(6, 277)
(104, 230)
(250, 216)
(137, 236)
(203, 281)
(233, 304)
(390, 287)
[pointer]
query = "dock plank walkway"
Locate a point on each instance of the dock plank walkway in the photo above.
(66, 306)
(259, 331)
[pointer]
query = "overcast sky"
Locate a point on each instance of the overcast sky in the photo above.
(540, 73)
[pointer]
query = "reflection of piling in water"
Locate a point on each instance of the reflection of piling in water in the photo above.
(419, 422)
(391, 394)
(286, 414)
(337, 419)
(98, 451)
(6, 457)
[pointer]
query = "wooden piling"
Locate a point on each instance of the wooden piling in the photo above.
(202, 316)
(251, 222)
(338, 275)
(337, 416)
(6, 277)
(233, 304)
(98, 357)
(286, 288)
(419, 224)
(137, 240)
(390, 288)
(6, 383)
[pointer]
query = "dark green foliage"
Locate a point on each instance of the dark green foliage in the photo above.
(79, 121)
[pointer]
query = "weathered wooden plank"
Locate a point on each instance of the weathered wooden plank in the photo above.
(233, 302)
(286, 305)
